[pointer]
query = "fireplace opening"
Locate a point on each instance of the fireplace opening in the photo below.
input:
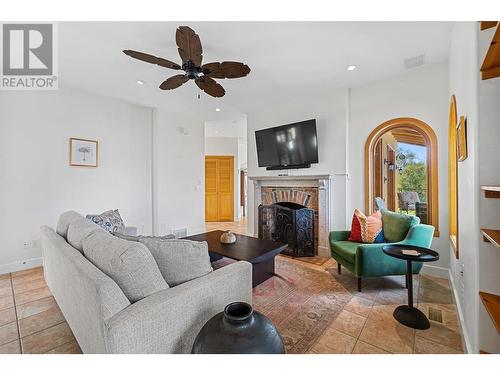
(291, 223)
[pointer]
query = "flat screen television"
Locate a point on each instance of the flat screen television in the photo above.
(288, 146)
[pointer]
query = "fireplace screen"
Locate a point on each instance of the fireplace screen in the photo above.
(290, 223)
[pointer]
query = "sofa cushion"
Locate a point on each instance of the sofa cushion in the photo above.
(129, 237)
(179, 260)
(366, 229)
(396, 225)
(128, 263)
(346, 249)
(79, 230)
(65, 219)
(109, 220)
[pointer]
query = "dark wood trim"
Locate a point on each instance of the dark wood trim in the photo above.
(485, 25)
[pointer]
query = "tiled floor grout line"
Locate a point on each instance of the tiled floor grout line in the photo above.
(15, 313)
(418, 303)
(364, 324)
(58, 346)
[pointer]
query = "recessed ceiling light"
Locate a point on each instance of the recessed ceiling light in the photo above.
(217, 110)
(350, 67)
(139, 82)
(216, 132)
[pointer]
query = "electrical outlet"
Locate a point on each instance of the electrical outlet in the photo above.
(35, 244)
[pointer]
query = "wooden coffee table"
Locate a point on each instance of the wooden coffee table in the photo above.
(257, 251)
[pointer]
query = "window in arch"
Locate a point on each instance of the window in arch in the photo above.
(401, 168)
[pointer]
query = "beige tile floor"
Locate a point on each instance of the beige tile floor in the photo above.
(31, 322)
(239, 227)
(366, 324)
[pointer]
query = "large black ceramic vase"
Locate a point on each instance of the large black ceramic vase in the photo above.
(238, 330)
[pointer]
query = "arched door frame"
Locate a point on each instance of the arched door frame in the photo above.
(432, 163)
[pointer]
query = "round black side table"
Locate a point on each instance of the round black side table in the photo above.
(408, 314)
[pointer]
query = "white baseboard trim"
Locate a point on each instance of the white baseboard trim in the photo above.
(19, 266)
(463, 328)
(435, 271)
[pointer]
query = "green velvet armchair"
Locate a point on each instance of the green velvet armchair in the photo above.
(368, 260)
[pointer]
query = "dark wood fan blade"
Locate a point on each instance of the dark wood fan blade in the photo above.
(210, 86)
(226, 69)
(152, 59)
(189, 45)
(174, 82)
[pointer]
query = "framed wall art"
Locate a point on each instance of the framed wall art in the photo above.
(83, 152)
(462, 139)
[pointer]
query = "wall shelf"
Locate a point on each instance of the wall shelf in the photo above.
(491, 191)
(492, 304)
(491, 64)
(492, 235)
(485, 25)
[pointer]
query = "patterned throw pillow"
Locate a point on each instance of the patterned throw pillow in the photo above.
(367, 229)
(109, 220)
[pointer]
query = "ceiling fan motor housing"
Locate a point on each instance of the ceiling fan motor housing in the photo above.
(191, 70)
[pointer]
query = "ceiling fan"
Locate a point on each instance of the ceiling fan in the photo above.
(191, 52)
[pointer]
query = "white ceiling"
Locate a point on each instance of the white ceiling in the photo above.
(285, 58)
(234, 128)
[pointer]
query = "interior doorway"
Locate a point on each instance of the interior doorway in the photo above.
(226, 138)
(401, 168)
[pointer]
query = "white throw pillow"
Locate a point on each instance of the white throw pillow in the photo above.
(179, 260)
(79, 230)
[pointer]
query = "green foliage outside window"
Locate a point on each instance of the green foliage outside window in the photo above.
(413, 174)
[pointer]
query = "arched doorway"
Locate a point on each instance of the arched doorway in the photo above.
(401, 167)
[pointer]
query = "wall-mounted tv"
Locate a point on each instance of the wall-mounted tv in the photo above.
(288, 146)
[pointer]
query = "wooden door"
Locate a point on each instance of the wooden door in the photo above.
(211, 200)
(219, 188)
(391, 179)
(378, 179)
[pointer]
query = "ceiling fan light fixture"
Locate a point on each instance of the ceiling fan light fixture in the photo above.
(350, 68)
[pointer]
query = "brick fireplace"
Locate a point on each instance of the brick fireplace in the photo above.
(309, 191)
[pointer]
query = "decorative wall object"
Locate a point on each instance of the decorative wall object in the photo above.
(83, 152)
(453, 174)
(462, 138)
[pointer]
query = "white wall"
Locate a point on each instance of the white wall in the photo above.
(345, 118)
(36, 182)
(329, 112)
(422, 93)
(179, 173)
(225, 146)
(463, 83)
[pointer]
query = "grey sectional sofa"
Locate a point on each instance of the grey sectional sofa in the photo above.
(103, 320)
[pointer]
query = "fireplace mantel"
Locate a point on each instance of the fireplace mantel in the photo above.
(290, 177)
(322, 182)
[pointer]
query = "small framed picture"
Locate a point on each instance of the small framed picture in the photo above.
(83, 152)
(462, 139)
